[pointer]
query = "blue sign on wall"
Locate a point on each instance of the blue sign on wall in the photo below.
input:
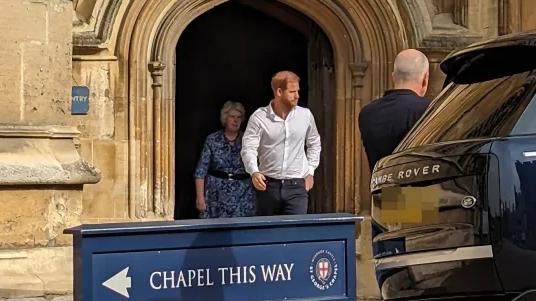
(262, 258)
(79, 100)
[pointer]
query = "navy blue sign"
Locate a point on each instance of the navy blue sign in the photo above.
(301, 257)
(266, 272)
(80, 100)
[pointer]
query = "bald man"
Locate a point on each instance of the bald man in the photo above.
(385, 121)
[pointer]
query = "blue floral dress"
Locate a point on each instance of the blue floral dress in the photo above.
(224, 197)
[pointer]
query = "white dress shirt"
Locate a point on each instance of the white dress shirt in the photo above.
(278, 145)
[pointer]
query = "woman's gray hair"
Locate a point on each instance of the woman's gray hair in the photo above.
(227, 107)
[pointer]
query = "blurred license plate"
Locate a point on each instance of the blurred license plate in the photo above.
(414, 205)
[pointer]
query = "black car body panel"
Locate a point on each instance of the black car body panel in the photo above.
(515, 252)
(454, 208)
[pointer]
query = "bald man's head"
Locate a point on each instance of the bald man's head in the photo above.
(411, 71)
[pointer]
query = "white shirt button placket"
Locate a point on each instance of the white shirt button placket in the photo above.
(285, 150)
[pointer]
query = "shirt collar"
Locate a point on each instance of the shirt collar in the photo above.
(274, 116)
(399, 92)
(270, 110)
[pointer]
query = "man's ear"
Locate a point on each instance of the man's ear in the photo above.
(425, 82)
(279, 92)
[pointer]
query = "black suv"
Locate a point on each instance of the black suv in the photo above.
(454, 208)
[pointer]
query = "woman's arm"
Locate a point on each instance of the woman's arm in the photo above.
(200, 174)
(200, 194)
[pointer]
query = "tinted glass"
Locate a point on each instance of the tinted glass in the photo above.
(527, 121)
(493, 108)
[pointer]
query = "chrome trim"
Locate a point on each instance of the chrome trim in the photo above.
(464, 253)
(530, 293)
(529, 154)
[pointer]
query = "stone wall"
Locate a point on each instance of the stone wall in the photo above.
(41, 171)
(36, 61)
(36, 272)
(100, 141)
(527, 9)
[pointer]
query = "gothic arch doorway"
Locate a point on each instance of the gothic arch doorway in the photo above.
(363, 36)
(230, 53)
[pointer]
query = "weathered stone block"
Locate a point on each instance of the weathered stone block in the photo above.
(108, 198)
(99, 199)
(60, 13)
(99, 123)
(528, 18)
(36, 69)
(10, 81)
(44, 161)
(64, 211)
(35, 272)
(46, 84)
(98, 203)
(37, 217)
(85, 149)
(37, 89)
(366, 283)
(22, 217)
(23, 21)
(121, 180)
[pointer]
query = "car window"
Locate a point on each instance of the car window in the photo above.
(527, 121)
(493, 108)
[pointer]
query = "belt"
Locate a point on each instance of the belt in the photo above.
(228, 175)
(283, 181)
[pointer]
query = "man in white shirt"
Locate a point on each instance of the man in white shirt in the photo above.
(273, 150)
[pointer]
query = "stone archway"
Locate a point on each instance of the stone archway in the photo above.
(230, 53)
(146, 50)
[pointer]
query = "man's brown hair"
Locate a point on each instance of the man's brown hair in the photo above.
(281, 79)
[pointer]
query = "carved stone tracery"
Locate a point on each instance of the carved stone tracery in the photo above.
(444, 24)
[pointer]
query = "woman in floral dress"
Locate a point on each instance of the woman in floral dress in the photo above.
(223, 188)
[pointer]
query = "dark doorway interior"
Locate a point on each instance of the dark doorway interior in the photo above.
(230, 53)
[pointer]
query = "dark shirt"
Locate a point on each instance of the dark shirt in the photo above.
(386, 121)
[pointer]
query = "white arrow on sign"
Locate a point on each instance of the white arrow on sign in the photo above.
(119, 283)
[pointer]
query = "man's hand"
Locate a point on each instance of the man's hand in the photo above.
(309, 182)
(201, 204)
(259, 181)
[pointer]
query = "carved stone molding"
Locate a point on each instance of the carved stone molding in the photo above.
(440, 23)
(91, 32)
(160, 148)
(358, 73)
(157, 71)
(509, 16)
(42, 155)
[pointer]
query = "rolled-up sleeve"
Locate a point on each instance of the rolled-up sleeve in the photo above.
(250, 145)
(313, 145)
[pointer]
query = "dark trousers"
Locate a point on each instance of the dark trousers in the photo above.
(282, 197)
